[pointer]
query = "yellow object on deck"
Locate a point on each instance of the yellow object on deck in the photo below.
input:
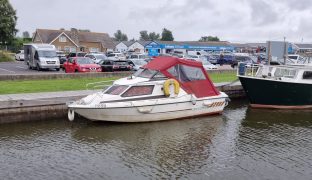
(167, 85)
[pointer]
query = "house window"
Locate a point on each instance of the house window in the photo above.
(94, 49)
(67, 49)
(138, 91)
(62, 39)
(59, 48)
(72, 49)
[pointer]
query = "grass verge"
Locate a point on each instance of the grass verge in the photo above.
(53, 85)
(223, 77)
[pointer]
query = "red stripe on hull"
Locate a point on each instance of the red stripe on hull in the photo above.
(280, 107)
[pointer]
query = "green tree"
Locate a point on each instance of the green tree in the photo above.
(153, 36)
(166, 35)
(26, 34)
(144, 36)
(119, 36)
(18, 43)
(208, 38)
(7, 22)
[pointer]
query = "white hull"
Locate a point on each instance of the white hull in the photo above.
(154, 110)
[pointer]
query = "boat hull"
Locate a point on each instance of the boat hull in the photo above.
(265, 93)
(154, 112)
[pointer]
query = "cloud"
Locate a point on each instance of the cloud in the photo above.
(240, 20)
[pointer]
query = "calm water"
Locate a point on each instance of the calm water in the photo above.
(243, 143)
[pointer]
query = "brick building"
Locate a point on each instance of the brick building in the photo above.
(74, 40)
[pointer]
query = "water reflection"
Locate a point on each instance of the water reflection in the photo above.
(243, 143)
(162, 149)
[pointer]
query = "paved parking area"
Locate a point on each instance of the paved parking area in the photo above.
(18, 67)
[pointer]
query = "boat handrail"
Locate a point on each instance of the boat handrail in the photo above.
(98, 85)
(247, 70)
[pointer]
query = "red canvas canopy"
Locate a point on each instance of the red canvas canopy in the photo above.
(191, 75)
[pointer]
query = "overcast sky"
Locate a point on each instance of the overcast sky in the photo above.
(231, 20)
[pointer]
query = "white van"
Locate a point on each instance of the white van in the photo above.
(41, 56)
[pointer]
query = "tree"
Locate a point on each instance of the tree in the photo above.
(119, 36)
(144, 36)
(26, 34)
(153, 36)
(166, 35)
(208, 38)
(7, 22)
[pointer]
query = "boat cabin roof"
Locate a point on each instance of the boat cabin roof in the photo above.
(191, 75)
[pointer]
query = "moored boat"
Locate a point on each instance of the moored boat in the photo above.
(166, 88)
(279, 86)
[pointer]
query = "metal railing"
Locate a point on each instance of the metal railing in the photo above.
(247, 69)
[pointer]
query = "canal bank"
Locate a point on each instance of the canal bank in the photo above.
(46, 106)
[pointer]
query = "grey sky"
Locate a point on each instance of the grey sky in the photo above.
(232, 20)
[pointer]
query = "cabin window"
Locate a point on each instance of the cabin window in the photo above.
(307, 75)
(116, 89)
(138, 91)
(187, 73)
(288, 73)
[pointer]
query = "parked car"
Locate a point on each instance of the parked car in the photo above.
(111, 65)
(81, 64)
(208, 66)
(137, 57)
(116, 56)
(137, 64)
(246, 59)
(225, 59)
(96, 57)
(62, 57)
(76, 54)
(213, 59)
(195, 57)
(19, 56)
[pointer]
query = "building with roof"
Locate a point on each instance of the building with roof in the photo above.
(154, 48)
(123, 46)
(165, 47)
(134, 46)
(249, 47)
(74, 40)
(302, 48)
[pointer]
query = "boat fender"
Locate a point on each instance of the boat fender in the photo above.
(71, 115)
(167, 85)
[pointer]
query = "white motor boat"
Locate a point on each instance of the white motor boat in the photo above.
(166, 88)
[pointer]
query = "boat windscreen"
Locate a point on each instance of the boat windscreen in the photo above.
(145, 73)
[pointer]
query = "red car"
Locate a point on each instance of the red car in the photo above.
(81, 64)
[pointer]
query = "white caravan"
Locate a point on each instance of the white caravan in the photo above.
(41, 56)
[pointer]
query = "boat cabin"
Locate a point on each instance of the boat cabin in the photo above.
(280, 72)
(190, 75)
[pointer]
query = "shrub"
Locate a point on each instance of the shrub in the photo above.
(6, 56)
